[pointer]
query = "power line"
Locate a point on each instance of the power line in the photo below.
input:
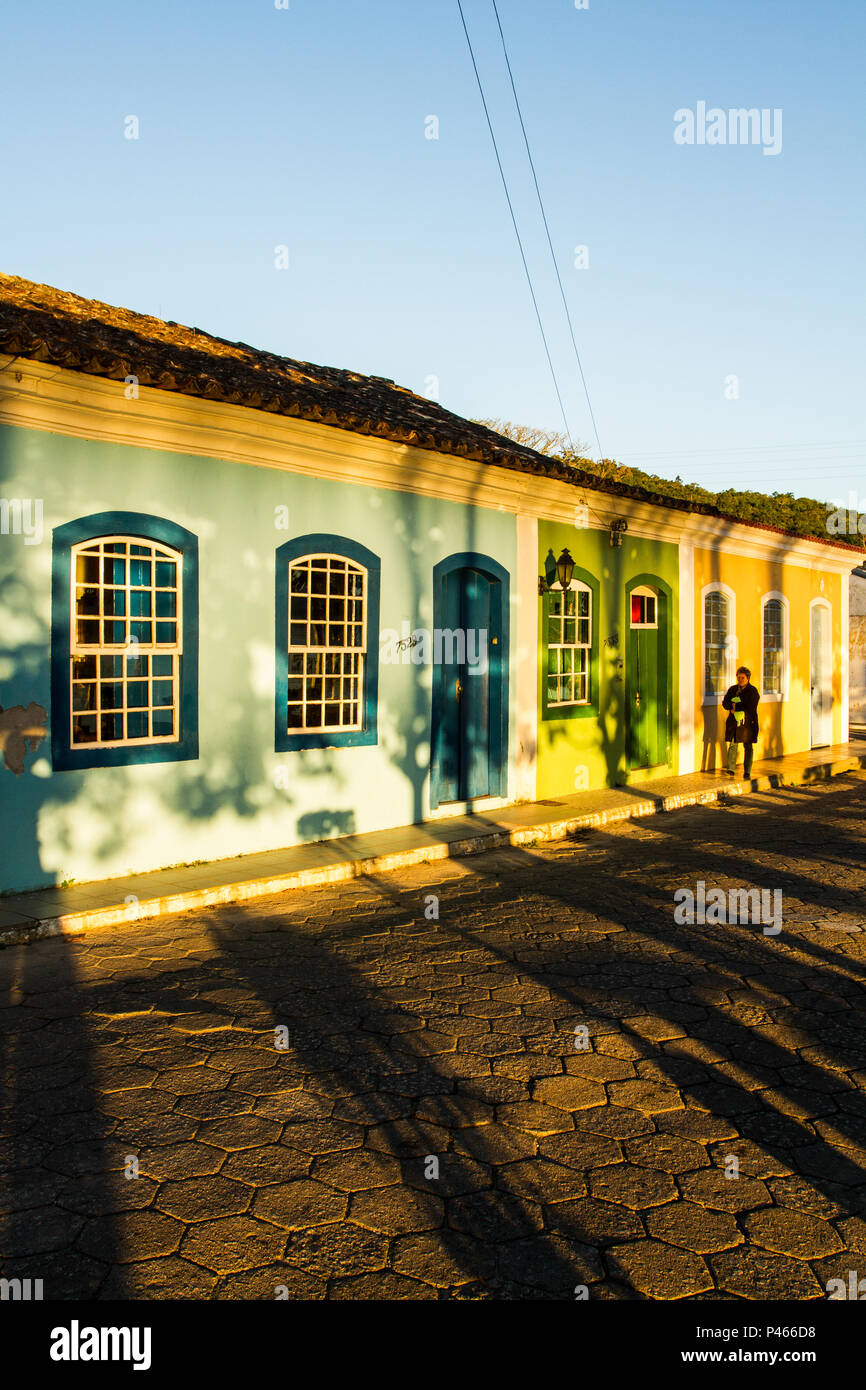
(547, 231)
(514, 223)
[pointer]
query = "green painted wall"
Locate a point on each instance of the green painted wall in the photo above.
(239, 796)
(588, 750)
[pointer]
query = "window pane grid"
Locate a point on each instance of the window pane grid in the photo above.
(569, 637)
(327, 644)
(715, 643)
(773, 653)
(126, 643)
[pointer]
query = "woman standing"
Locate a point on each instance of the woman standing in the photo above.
(741, 702)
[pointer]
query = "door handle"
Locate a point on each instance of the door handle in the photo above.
(459, 689)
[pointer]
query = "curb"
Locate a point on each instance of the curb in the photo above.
(75, 923)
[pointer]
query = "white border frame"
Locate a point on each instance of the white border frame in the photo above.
(772, 698)
(644, 591)
(718, 587)
(821, 603)
(575, 586)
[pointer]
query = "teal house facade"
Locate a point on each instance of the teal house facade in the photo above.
(231, 649)
(248, 602)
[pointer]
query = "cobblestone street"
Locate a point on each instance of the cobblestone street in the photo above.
(432, 1129)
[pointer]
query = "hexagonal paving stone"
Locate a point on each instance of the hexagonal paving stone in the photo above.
(454, 1111)
(233, 1243)
(273, 1163)
(190, 1081)
(155, 1131)
(343, 1246)
(457, 1175)
(275, 1281)
(37, 1231)
(168, 1278)
(649, 1097)
(96, 1194)
(792, 1233)
(445, 1260)
(324, 1136)
(491, 1144)
(293, 1107)
(753, 1159)
(382, 1286)
(667, 1152)
(534, 1118)
(549, 1265)
(129, 1236)
(396, 1211)
(653, 1028)
(238, 1132)
(66, 1274)
(494, 1216)
(359, 1170)
(568, 1092)
(299, 1204)
(710, 1188)
(180, 1161)
(699, 1125)
(540, 1180)
(632, 1187)
(410, 1138)
(138, 1104)
(598, 1067)
(751, 1273)
(526, 1066)
(197, 1199)
(693, 1227)
(614, 1122)
(658, 1270)
(580, 1150)
(847, 1166)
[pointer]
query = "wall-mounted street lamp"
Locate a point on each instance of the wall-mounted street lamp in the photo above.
(618, 527)
(564, 571)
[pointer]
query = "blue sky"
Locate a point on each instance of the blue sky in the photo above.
(305, 127)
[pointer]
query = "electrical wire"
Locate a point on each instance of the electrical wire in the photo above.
(547, 231)
(514, 224)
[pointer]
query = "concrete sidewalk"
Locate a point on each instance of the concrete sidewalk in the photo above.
(69, 911)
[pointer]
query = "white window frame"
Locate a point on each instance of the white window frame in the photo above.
(130, 648)
(308, 649)
(576, 586)
(643, 591)
(774, 697)
(717, 587)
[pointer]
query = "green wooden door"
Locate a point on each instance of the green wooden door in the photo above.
(647, 681)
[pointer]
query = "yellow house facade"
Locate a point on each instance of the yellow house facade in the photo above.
(779, 606)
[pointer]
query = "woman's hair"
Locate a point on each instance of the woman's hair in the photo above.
(744, 671)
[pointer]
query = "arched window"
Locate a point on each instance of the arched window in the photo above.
(774, 642)
(719, 641)
(124, 651)
(327, 655)
(644, 607)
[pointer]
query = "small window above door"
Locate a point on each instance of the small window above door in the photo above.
(644, 608)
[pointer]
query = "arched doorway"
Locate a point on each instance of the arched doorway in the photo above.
(469, 744)
(648, 673)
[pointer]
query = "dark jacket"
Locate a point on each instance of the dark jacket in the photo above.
(747, 701)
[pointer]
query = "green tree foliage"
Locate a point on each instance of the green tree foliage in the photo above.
(802, 516)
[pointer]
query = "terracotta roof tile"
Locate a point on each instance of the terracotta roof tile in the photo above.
(50, 325)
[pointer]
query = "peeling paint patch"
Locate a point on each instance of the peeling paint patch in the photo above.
(21, 730)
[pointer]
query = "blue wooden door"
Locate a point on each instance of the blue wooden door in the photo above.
(469, 656)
